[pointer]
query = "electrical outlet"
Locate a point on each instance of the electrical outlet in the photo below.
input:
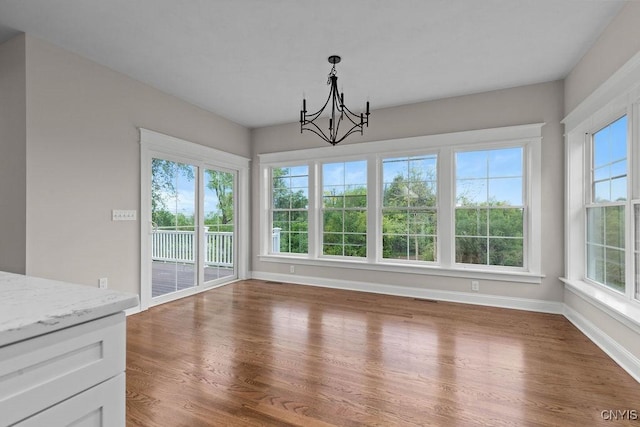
(475, 285)
(292, 269)
(102, 283)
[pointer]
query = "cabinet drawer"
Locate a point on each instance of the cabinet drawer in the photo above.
(38, 373)
(100, 406)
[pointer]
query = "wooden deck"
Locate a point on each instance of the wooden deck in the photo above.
(258, 353)
(167, 277)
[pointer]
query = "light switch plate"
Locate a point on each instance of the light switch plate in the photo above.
(123, 215)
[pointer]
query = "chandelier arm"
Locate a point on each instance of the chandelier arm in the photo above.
(361, 123)
(351, 131)
(351, 112)
(336, 103)
(332, 139)
(315, 115)
(320, 134)
(312, 127)
(363, 118)
(336, 126)
(351, 118)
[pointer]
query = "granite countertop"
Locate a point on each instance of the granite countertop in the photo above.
(31, 306)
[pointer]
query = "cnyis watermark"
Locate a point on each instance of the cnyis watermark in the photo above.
(619, 415)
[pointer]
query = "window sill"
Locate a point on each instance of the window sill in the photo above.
(433, 270)
(618, 306)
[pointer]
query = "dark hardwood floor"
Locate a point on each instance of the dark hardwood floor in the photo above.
(257, 353)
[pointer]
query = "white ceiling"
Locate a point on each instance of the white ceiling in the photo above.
(251, 60)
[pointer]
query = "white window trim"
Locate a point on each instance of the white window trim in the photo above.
(619, 95)
(444, 145)
(155, 143)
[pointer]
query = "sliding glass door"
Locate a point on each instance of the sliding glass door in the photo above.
(192, 244)
(194, 218)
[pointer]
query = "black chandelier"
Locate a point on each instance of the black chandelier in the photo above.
(339, 112)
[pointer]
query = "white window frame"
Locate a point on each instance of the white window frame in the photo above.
(442, 145)
(616, 97)
(589, 202)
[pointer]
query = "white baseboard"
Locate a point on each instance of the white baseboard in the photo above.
(133, 310)
(619, 354)
(405, 291)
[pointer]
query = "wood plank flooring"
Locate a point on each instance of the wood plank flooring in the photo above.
(258, 353)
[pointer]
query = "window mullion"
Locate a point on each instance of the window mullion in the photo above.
(315, 211)
(374, 221)
(446, 207)
(630, 220)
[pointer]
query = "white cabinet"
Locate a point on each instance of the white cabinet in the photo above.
(102, 405)
(73, 376)
(62, 353)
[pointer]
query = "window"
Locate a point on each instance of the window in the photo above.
(602, 197)
(489, 214)
(463, 204)
(290, 204)
(409, 208)
(344, 209)
(605, 215)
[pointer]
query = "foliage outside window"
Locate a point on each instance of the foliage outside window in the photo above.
(218, 201)
(290, 209)
(489, 214)
(344, 209)
(170, 208)
(605, 214)
(398, 206)
(409, 208)
(172, 204)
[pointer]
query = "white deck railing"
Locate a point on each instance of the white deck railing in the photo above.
(179, 246)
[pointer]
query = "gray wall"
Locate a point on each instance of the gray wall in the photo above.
(83, 160)
(522, 105)
(13, 151)
(615, 46)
